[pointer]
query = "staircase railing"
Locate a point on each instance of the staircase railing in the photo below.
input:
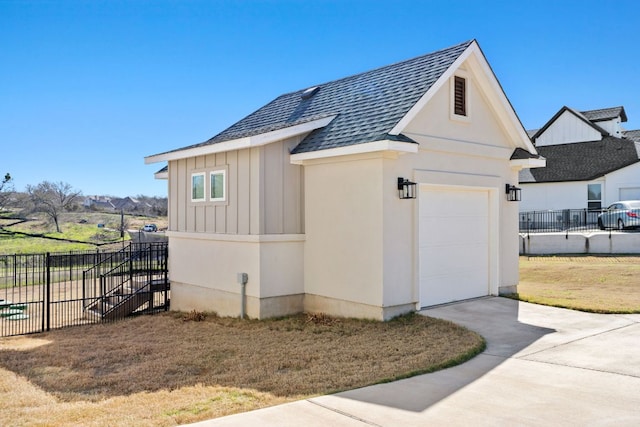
(111, 288)
(91, 289)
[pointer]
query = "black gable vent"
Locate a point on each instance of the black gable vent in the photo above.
(310, 92)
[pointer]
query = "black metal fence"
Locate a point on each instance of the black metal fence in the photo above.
(39, 292)
(565, 220)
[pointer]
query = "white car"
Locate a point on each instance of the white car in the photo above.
(620, 215)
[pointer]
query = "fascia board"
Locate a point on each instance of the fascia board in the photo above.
(443, 79)
(240, 143)
(485, 75)
(368, 147)
(528, 163)
(501, 103)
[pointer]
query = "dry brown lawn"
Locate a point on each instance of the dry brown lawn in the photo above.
(171, 369)
(603, 284)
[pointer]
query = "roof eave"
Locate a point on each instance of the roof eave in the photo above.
(520, 134)
(537, 162)
(367, 147)
(240, 143)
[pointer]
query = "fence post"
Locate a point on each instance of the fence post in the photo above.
(165, 269)
(130, 268)
(103, 296)
(47, 299)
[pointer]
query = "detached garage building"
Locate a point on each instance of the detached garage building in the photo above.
(368, 196)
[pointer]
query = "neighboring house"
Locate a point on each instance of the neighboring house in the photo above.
(98, 202)
(129, 204)
(126, 204)
(302, 195)
(591, 162)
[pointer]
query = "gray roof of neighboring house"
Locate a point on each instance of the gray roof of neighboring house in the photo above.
(576, 113)
(367, 106)
(633, 135)
(583, 161)
(605, 114)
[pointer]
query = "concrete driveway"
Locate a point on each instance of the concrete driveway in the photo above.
(542, 366)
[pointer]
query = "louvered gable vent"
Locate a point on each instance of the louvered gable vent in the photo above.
(459, 97)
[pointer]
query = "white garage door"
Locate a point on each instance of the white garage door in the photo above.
(630, 193)
(453, 245)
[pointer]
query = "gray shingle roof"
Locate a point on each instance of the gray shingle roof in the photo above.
(582, 161)
(605, 114)
(633, 135)
(522, 154)
(367, 106)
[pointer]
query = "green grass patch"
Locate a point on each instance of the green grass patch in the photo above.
(80, 231)
(19, 244)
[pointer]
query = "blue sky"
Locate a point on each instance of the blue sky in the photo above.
(89, 88)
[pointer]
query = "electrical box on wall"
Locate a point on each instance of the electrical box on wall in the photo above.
(243, 278)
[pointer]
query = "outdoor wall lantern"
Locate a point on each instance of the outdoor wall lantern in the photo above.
(513, 193)
(406, 189)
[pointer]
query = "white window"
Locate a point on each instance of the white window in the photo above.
(197, 187)
(217, 190)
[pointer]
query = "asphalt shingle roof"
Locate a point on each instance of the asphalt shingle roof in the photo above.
(583, 161)
(367, 106)
(605, 114)
(633, 135)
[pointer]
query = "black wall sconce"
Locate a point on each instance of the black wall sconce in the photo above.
(406, 189)
(513, 193)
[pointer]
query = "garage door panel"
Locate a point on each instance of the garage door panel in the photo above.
(630, 193)
(451, 288)
(439, 202)
(470, 229)
(456, 258)
(453, 245)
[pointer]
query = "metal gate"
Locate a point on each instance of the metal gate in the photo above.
(40, 292)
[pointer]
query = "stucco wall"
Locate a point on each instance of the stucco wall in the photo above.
(205, 266)
(344, 244)
(578, 243)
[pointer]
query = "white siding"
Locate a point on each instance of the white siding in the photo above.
(567, 129)
(555, 196)
(626, 179)
(611, 126)
(573, 195)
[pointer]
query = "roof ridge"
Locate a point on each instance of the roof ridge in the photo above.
(382, 67)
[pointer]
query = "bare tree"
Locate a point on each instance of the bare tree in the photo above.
(52, 199)
(6, 188)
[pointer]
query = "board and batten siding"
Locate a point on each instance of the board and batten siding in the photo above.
(264, 193)
(567, 129)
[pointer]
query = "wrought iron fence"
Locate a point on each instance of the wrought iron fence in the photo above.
(565, 220)
(39, 292)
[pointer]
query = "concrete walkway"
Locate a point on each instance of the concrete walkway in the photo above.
(542, 366)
